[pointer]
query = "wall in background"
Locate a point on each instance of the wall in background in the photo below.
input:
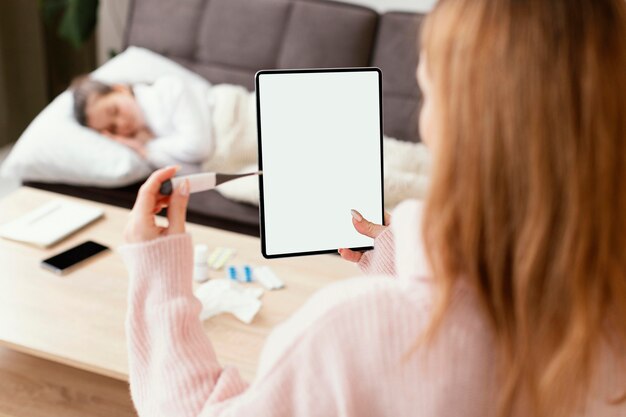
(4, 105)
(63, 61)
(23, 90)
(35, 65)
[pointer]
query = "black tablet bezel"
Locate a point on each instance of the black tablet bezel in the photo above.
(260, 156)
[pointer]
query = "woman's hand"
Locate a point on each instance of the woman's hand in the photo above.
(141, 226)
(364, 227)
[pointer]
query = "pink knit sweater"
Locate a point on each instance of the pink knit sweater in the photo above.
(349, 351)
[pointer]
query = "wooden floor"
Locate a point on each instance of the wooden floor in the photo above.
(33, 387)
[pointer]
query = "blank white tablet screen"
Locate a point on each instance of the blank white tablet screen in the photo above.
(321, 155)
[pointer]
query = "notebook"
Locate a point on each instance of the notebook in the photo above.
(50, 223)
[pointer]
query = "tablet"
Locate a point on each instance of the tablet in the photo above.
(320, 150)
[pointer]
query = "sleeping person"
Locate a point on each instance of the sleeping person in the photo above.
(166, 122)
(213, 128)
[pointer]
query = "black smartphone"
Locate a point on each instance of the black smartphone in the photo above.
(64, 261)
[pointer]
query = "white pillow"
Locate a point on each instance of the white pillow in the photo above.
(56, 148)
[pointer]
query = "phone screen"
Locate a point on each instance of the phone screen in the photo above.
(73, 256)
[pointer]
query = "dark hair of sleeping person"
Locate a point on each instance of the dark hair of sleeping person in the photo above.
(83, 88)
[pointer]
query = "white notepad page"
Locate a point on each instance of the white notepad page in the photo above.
(321, 156)
(50, 223)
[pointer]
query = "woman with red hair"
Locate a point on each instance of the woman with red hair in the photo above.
(508, 295)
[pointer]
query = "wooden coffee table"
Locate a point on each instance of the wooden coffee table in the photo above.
(78, 319)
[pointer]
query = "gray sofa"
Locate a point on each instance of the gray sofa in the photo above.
(227, 41)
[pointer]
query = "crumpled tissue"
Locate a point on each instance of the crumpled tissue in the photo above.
(225, 296)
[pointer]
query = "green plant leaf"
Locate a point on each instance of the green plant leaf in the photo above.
(78, 21)
(51, 8)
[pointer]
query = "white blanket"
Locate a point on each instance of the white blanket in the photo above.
(406, 164)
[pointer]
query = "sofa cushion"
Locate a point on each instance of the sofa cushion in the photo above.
(219, 73)
(242, 33)
(396, 54)
(327, 34)
(227, 41)
(401, 116)
(164, 26)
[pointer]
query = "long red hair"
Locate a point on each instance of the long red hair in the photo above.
(528, 195)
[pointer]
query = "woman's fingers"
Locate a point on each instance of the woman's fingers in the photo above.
(367, 228)
(177, 210)
(350, 255)
(161, 203)
(149, 192)
(141, 226)
(159, 206)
